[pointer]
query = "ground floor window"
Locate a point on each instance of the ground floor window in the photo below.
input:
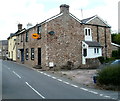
(18, 54)
(27, 54)
(32, 53)
(96, 50)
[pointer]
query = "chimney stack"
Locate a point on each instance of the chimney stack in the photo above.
(64, 8)
(19, 27)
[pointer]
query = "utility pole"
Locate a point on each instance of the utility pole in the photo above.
(81, 13)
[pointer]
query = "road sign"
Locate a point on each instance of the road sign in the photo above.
(35, 36)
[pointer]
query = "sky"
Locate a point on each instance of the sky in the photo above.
(13, 12)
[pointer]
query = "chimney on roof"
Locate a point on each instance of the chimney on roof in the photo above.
(29, 25)
(64, 8)
(19, 27)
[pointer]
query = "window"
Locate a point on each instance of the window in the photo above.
(39, 30)
(32, 53)
(18, 54)
(27, 36)
(21, 37)
(87, 31)
(96, 50)
(27, 54)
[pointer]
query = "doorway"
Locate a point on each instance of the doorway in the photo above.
(22, 55)
(39, 56)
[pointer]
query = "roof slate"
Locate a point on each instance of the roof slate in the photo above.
(87, 19)
(93, 44)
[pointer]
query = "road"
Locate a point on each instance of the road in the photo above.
(21, 82)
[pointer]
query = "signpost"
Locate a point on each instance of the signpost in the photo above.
(35, 36)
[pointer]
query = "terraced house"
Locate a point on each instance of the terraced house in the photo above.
(64, 39)
(12, 46)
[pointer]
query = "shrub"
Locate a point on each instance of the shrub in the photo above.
(103, 60)
(116, 53)
(109, 76)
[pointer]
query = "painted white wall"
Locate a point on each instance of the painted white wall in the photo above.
(88, 38)
(91, 54)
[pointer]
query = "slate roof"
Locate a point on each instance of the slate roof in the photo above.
(93, 44)
(87, 19)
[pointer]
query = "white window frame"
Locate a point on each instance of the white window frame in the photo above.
(87, 29)
(96, 50)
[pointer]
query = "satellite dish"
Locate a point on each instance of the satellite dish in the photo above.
(51, 32)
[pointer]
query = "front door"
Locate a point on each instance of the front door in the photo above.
(39, 56)
(22, 55)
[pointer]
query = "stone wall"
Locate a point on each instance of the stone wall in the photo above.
(65, 45)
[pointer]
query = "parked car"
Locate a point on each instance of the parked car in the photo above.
(116, 62)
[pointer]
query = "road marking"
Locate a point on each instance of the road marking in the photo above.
(8, 68)
(93, 92)
(48, 75)
(16, 74)
(66, 82)
(34, 90)
(44, 73)
(53, 77)
(113, 98)
(74, 85)
(59, 80)
(84, 89)
(101, 94)
(107, 96)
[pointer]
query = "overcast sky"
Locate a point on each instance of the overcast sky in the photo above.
(13, 12)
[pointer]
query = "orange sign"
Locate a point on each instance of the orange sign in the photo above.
(35, 36)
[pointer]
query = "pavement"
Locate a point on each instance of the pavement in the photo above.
(21, 82)
(81, 76)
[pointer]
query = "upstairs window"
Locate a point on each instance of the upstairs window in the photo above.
(39, 30)
(27, 36)
(21, 37)
(27, 54)
(32, 53)
(87, 31)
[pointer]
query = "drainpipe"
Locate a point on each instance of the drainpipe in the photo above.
(105, 42)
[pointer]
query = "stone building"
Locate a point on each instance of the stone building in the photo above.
(64, 38)
(3, 49)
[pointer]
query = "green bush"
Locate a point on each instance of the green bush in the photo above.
(109, 76)
(103, 60)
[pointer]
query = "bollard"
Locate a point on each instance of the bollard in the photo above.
(94, 78)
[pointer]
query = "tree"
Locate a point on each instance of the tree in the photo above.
(116, 38)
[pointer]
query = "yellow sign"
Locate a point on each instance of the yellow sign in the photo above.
(35, 36)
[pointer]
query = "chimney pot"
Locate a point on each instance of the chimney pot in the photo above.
(19, 26)
(64, 8)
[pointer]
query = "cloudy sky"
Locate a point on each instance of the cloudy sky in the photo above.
(13, 12)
